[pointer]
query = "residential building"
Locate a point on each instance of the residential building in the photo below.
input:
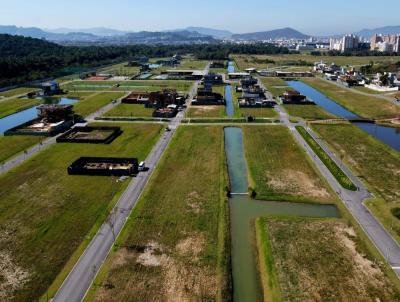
(385, 43)
(346, 43)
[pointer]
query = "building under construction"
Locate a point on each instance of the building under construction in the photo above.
(294, 97)
(91, 135)
(104, 166)
(52, 119)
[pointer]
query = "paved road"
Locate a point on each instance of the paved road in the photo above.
(82, 275)
(28, 153)
(353, 200)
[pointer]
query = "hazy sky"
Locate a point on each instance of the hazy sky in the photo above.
(308, 16)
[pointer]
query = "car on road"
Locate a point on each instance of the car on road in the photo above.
(142, 166)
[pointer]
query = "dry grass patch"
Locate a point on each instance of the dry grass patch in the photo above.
(169, 249)
(279, 169)
(323, 260)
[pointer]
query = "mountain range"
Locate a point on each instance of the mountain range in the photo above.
(288, 33)
(386, 30)
(106, 36)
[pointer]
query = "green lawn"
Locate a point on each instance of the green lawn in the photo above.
(367, 90)
(259, 112)
(376, 164)
(279, 169)
(362, 105)
(146, 85)
(320, 260)
(130, 110)
(192, 64)
(15, 105)
(120, 70)
(12, 145)
(94, 102)
(276, 86)
(308, 112)
(340, 176)
(45, 214)
(17, 91)
(179, 226)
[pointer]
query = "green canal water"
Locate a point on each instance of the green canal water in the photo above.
(244, 210)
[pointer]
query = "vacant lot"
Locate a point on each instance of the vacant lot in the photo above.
(11, 145)
(292, 60)
(206, 111)
(279, 169)
(151, 85)
(259, 112)
(16, 91)
(276, 86)
(15, 105)
(362, 105)
(134, 110)
(170, 249)
(94, 102)
(308, 112)
(322, 260)
(377, 165)
(45, 214)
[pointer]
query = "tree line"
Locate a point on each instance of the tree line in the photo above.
(25, 59)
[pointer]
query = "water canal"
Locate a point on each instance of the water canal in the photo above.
(244, 210)
(26, 115)
(230, 109)
(388, 135)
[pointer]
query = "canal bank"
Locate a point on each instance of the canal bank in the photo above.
(388, 135)
(244, 211)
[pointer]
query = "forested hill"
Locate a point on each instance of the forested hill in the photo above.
(24, 59)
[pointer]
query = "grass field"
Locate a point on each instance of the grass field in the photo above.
(279, 169)
(15, 105)
(321, 260)
(205, 111)
(259, 112)
(362, 105)
(376, 164)
(134, 110)
(16, 91)
(12, 145)
(146, 85)
(45, 214)
(308, 112)
(120, 70)
(367, 90)
(276, 86)
(173, 246)
(271, 61)
(94, 102)
(340, 176)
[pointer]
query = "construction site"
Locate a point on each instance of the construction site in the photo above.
(91, 135)
(104, 166)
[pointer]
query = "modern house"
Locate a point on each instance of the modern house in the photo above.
(294, 97)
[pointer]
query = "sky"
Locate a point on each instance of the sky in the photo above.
(314, 17)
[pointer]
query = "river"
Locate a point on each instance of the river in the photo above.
(388, 135)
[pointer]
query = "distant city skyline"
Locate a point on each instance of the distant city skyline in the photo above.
(307, 16)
